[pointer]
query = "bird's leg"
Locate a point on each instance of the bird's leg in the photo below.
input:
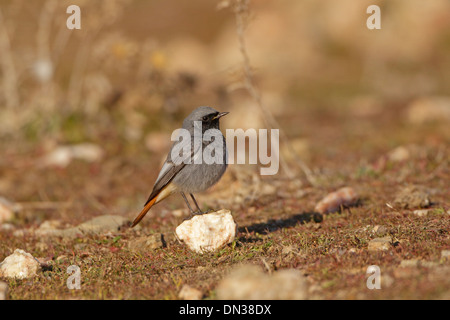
(196, 204)
(187, 202)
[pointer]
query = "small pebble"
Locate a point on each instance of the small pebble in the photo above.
(189, 293)
(380, 244)
(333, 202)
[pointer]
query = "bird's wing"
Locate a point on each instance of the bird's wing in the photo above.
(173, 165)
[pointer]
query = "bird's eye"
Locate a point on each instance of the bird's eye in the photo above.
(205, 118)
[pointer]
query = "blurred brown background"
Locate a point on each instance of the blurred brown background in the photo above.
(86, 118)
(122, 83)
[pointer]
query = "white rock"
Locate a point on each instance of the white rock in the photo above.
(62, 156)
(421, 212)
(189, 293)
(208, 232)
(250, 283)
(333, 202)
(429, 109)
(19, 265)
(445, 254)
(43, 70)
(399, 154)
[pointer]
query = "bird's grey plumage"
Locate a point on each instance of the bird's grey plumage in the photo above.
(192, 177)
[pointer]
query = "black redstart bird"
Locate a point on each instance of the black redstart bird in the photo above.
(190, 172)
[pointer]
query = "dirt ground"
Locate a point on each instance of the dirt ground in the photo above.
(370, 135)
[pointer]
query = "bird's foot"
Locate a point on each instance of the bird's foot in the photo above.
(199, 212)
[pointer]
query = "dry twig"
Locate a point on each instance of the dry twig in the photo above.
(241, 11)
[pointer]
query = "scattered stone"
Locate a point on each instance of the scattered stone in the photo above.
(189, 293)
(19, 233)
(208, 232)
(380, 230)
(412, 197)
(407, 152)
(445, 254)
(3, 290)
(6, 227)
(415, 263)
(61, 258)
(399, 154)
(179, 212)
(429, 109)
(49, 225)
(19, 265)
(409, 263)
(98, 225)
(421, 212)
(103, 224)
(267, 189)
(62, 156)
(147, 243)
(333, 202)
(250, 283)
(6, 210)
(380, 244)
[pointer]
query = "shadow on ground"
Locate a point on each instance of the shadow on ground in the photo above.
(273, 225)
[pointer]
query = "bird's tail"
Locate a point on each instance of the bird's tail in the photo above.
(144, 211)
(161, 195)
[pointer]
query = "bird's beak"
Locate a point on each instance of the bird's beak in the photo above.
(220, 115)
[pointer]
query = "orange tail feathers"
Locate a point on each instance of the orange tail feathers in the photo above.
(144, 212)
(162, 194)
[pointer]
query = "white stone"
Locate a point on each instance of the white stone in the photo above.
(19, 265)
(249, 282)
(62, 156)
(43, 70)
(421, 212)
(429, 109)
(334, 201)
(189, 293)
(445, 254)
(208, 232)
(399, 154)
